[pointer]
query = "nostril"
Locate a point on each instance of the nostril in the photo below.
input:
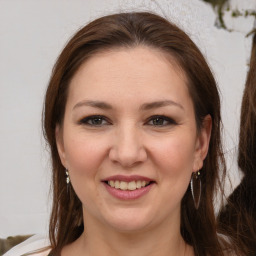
(127, 152)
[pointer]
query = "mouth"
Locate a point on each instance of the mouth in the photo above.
(132, 185)
(128, 187)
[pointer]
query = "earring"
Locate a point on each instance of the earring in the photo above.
(67, 177)
(195, 184)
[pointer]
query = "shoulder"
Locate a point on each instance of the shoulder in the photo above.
(39, 245)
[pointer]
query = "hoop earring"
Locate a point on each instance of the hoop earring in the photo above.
(195, 184)
(67, 177)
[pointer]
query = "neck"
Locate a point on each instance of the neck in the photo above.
(106, 241)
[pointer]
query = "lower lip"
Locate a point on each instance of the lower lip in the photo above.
(128, 194)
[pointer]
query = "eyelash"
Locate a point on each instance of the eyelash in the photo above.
(164, 119)
(86, 120)
(167, 120)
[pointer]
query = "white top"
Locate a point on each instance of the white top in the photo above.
(35, 242)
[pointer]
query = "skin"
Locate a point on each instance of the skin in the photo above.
(128, 140)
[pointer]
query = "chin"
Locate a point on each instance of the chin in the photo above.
(129, 221)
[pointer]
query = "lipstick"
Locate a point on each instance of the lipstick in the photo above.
(128, 187)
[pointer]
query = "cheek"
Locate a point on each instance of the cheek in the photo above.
(84, 155)
(84, 160)
(173, 161)
(174, 156)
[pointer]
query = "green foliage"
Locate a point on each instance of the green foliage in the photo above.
(215, 3)
(220, 6)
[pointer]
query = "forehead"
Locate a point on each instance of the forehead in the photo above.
(129, 74)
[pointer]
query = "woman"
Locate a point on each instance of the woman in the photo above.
(239, 215)
(132, 117)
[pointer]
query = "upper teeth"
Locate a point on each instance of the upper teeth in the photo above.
(123, 185)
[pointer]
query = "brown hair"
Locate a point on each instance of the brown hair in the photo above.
(128, 30)
(247, 138)
(239, 215)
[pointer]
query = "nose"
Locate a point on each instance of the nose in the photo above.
(127, 148)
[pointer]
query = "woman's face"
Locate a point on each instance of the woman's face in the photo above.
(129, 138)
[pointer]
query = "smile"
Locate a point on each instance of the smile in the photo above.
(128, 187)
(132, 185)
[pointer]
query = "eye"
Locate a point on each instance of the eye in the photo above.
(95, 121)
(160, 121)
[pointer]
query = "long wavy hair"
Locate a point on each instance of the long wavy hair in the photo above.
(239, 215)
(128, 30)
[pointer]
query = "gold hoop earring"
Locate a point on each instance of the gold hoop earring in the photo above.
(195, 185)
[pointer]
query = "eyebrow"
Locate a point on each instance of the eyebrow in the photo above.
(159, 104)
(145, 106)
(92, 103)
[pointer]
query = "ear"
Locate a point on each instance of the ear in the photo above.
(60, 144)
(202, 144)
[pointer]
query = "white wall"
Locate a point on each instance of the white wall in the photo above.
(32, 33)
